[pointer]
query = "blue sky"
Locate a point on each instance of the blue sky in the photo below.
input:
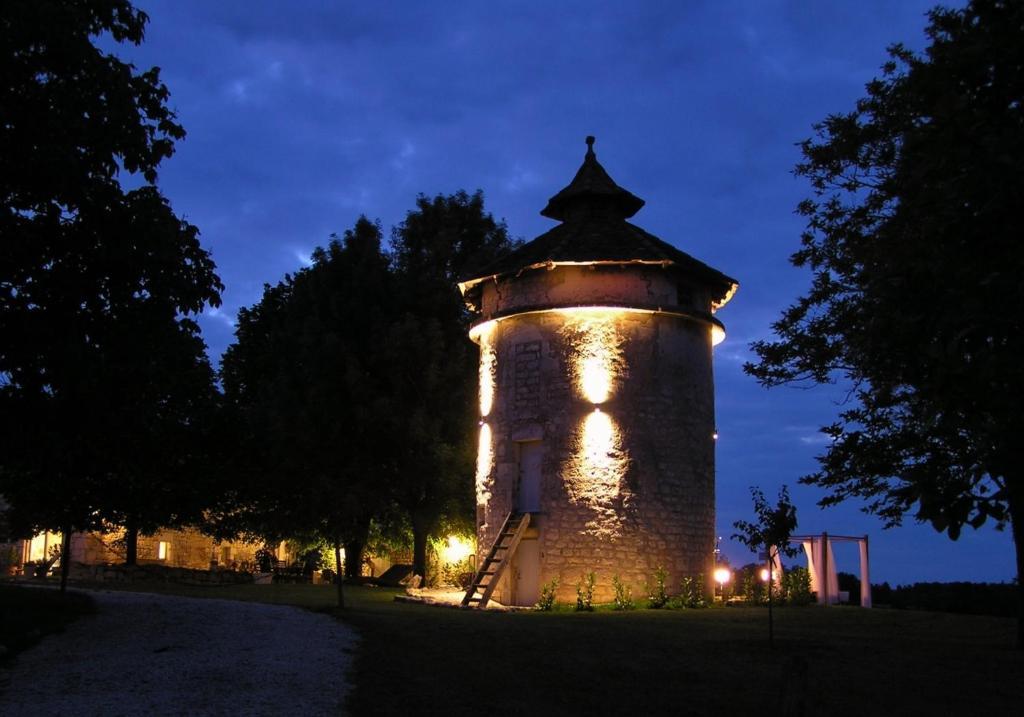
(303, 115)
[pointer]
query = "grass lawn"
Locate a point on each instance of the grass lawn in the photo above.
(27, 614)
(420, 659)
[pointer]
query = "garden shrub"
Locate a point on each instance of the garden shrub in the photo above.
(441, 573)
(623, 594)
(796, 587)
(585, 592)
(692, 593)
(265, 559)
(547, 596)
(657, 597)
(754, 591)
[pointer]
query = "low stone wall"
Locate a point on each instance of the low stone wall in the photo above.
(157, 573)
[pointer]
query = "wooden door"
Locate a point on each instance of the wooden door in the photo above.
(528, 497)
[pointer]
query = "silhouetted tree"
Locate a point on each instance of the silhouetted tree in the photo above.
(432, 361)
(914, 242)
(311, 396)
(98, 359)
(770, 533)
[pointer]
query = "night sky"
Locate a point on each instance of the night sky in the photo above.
(303, 115)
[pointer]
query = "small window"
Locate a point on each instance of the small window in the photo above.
(161, 550)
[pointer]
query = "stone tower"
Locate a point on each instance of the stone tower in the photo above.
(597, 410)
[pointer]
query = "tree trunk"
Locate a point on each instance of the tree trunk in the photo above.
(354, 550)
(1015, 501)
(354, 558)
(420, 530)
(339, 579)
(131, 543)
(65, 558)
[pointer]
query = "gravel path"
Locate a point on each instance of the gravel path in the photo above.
(156, 655)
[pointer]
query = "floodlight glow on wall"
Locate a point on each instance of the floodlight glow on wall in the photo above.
(484, 461)
(488, 364)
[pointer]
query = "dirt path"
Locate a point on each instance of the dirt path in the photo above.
(156, 655)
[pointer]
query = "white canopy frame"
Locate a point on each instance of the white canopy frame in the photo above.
(822, 566)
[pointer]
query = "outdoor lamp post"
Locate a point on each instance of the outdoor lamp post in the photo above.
(722, 576)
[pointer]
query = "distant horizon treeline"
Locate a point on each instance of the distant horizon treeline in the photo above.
(967, 598)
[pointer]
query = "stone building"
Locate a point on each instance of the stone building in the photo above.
(186, 548)
(596, 399)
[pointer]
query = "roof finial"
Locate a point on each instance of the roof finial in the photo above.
(590, 145)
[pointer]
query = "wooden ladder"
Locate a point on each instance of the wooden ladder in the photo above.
(492, 567)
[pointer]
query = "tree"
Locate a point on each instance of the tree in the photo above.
(309, 390)
(163, 407)
(86, 265)
(914, 243)
(771, 532)
(432, 361)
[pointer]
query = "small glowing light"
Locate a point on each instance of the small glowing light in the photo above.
(595, 379)
(717, 334)
(456, 550)
(714, 435)
(722, 576)
(765, 574)
(161, 550)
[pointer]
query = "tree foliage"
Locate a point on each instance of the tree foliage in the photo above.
(308, 389)
(433, 362)
(773, 526)
(353, 382)
(102, 369)
(770, 532)
(913, 240)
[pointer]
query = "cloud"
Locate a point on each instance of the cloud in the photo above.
(520, 178)
(221, 316)
(304, 256)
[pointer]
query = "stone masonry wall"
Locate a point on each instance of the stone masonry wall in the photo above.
(626, 489)
(185, 549)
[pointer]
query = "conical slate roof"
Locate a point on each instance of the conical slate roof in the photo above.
(593, 184)
(593, 210)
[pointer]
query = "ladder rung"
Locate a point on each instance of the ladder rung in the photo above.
(508, 537)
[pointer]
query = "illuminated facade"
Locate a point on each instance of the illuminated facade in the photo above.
(597, 398)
